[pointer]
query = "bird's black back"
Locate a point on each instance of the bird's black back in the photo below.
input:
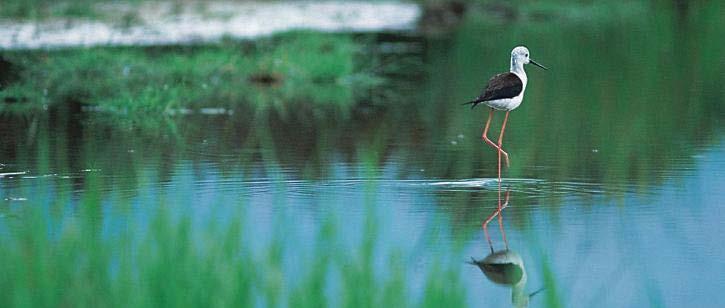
(505, 85)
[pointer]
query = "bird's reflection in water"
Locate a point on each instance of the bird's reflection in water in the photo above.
(504, 267)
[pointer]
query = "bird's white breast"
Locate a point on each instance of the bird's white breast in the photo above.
(506, 103)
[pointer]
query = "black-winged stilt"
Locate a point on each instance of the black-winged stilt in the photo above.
(505, 92)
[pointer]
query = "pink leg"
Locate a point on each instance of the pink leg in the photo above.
(500, 220)
(501, 206)
(497, 212)
(491, 143)
(500, 149)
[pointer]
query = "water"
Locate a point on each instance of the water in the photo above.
(614, 188)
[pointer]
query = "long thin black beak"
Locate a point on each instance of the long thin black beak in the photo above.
(537, 64)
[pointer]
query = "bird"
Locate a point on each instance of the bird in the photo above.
(505, 92)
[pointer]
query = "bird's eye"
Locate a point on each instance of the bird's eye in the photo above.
(527, 55)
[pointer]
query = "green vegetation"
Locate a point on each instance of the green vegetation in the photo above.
(35, 9)
(107, 257)
(294, 68)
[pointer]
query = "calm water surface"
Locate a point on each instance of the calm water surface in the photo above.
(615, 186)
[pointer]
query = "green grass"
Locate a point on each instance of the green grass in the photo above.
(36, 9)
(300, 69)
(51, 259)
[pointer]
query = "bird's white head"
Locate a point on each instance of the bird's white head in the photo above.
(520, 54)
(519, 57)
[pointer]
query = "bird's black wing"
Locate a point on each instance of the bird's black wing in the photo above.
(506, 85)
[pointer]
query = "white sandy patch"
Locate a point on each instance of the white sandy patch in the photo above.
(163, 23)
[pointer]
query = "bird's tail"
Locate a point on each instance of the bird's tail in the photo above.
(473, 103)
(472, 262)
(537, 292)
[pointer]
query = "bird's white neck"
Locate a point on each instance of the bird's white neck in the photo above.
(517, 68)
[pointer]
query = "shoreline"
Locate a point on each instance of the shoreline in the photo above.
(164, 23)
